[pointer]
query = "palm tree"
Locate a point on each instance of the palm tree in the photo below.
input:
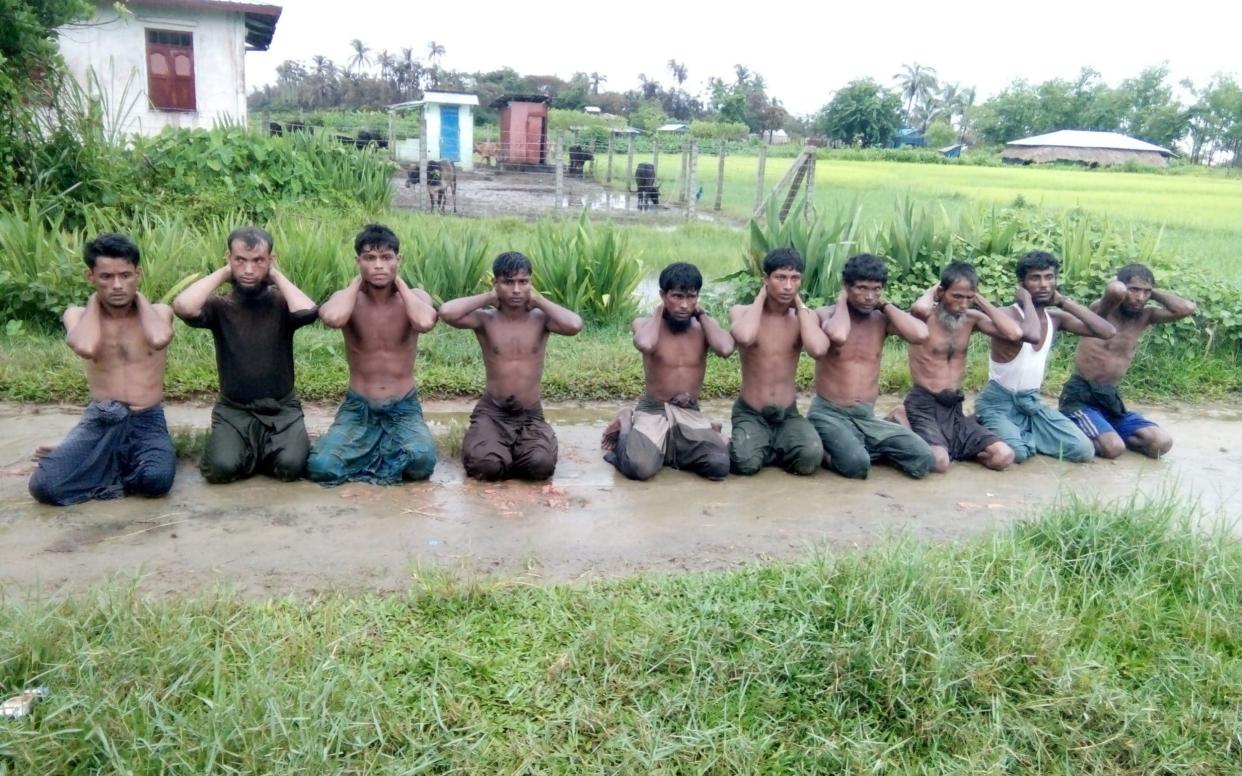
(678, 69)
(917, 84)
(434, 52)
(385, 62)
(596, 80)
(360, 58)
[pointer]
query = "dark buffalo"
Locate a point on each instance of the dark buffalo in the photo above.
(648, 187)
(578, 157)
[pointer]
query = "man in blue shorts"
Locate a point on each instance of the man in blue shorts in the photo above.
(1090, 397)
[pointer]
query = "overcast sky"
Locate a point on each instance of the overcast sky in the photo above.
(805, 50)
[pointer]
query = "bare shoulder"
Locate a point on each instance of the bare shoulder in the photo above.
(73, 313)
(639, 322)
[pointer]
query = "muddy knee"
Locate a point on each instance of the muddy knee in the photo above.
(940, 460)
(488, 466)
(998, 456)
(745, 464)
(43, 490)
(854, 463)
(421, 464)
(1109, 446)
(153, 479)
(804, 460)
(716, 467)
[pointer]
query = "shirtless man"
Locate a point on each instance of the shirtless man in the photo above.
(953, 310)
(771, 333)
(121, 445)
(847, 377)
(379, 435)
(1090, 397)
(1009, 405)
(666, 428)
(257, 423)
(508, 437)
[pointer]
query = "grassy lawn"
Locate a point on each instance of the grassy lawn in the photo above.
(1093, 640)
(1201, 214)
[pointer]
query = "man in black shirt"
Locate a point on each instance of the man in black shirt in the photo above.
(257, 423)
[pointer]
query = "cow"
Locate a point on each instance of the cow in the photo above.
(441, 181)
(578, 157)
(487, 152)
(647, 185)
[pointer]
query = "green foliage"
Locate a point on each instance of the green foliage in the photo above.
(228, 169)
(862, 113)
(823, 242)
(719, 130)
(448, 264)
(939, 134)
(587, 269)
(918, 241)
(1092, 639)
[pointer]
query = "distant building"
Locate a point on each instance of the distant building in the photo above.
(523, 130)
(1090, 148)
(907, 137)
(169, 63)
(450, 127)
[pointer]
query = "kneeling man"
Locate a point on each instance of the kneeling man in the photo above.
(508, 437)
(953, 310)
(257, 423)
(1090, 397)
(666, 428)
(379, 435)
(121, 445)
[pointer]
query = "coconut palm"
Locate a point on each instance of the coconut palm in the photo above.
(918, 83)
(361, 57)
(678, 69)
(434, 52)
(596, 80)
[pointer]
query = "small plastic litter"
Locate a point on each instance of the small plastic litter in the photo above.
(21, 704)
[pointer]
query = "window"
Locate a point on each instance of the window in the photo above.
(170, 70)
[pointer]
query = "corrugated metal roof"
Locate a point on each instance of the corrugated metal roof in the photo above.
(437, 98)
(260, 19)
(1079, 138)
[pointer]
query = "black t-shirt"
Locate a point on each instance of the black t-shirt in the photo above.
(254, 343)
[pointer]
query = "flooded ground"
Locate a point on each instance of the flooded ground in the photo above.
(487, 192)
(270, 538)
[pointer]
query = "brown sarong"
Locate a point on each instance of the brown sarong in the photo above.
(673, 434)
(939, 420)
(508, 441)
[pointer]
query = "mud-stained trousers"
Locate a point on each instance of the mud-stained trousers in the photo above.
(508, 441)
(773, 436)
(380, 442)
(854, 438)
(1029, 426)
(112, 451)
(267, 436)
(667, 434)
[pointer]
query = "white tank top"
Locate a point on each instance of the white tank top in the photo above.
(1026, 371)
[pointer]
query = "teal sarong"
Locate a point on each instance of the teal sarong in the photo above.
(381, 442)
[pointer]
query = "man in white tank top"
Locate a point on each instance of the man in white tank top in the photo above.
(1010, 405)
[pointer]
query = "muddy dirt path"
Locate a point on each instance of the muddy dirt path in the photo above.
(270, 538)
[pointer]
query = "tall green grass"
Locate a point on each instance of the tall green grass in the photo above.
(1097, 639)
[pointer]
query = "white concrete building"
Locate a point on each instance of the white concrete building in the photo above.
(169, 63)
(450, 128)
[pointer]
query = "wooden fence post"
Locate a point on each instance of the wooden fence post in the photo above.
(422, 149)
(692, 163)
(683, 180)
(763, 159)
(392, 135)
(810, 185)
(629, 164)
(558, 149)
(720, 175)
(608, 177)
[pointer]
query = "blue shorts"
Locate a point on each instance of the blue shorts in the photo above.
(1094, 421)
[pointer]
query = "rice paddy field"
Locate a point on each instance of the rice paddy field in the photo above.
(1200, 211)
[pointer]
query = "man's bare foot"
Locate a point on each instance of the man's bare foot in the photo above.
(41, 452)
(898, 415)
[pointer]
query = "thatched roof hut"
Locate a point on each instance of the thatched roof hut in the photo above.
(1090, 148)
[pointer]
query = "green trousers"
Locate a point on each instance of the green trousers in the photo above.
(773, 436)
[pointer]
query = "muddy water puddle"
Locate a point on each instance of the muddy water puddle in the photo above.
(264, 537)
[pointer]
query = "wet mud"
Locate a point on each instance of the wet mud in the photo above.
(264, 537)
(492, 193)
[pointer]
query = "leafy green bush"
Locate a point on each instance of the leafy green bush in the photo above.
(588, 269)
(448, 265)
(919, 241)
